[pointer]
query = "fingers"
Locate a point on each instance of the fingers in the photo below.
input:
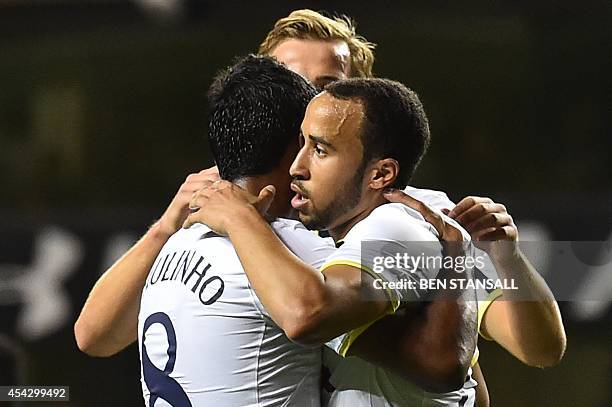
(397, 196)
(445, 230)
(495, 234)
(212, 173)
(484, 219)
(199, 198)
(467, 203)
(200, 179)
(222, 196)
(478, 211)
(490, 220)
(194, 217)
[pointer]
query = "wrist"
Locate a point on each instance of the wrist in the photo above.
(243, 217)
(159, 231)
(505, 253)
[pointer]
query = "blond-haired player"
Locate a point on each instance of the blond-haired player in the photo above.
(324, 49)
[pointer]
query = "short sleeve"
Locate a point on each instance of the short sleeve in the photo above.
(388, 231)
(485, 297)
(385, 246)
(305, 244)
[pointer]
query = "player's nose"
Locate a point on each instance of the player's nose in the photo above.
(299, 167)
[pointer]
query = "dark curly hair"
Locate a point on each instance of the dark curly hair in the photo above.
(256, 107)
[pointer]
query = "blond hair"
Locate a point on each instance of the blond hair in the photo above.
(308, 24)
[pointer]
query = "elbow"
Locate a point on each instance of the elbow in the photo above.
(303, 326)
(446, 377)
(549, 355)
(301, 334)
(445, 372)
(87, 340)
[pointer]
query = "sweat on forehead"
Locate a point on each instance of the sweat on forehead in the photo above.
(333, 117)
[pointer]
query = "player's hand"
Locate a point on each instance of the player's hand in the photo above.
(487, 222)
(178, 210)
(220, 202)
(446, 231)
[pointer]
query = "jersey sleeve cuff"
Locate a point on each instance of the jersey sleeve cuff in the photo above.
(392, 295)
(483, 306)
(352, 336)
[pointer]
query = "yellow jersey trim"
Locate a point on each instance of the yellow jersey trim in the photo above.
(475, 356)
(483, 306)
(352, 336)
(341, 262)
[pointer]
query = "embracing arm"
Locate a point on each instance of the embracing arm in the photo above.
(433, 343)
(311, 307)
(432, 346)
(109, 319)
(531, 330)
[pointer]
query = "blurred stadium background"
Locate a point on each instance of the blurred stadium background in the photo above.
(102, 114)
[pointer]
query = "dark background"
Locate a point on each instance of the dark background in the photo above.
(102, 115)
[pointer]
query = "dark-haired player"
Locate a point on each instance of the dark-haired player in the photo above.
(205, 339)
(359, 138)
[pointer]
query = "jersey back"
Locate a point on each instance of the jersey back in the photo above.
(206, 340)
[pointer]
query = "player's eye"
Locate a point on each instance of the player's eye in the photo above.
(319, 151)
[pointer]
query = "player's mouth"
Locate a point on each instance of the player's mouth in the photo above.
(300, 199)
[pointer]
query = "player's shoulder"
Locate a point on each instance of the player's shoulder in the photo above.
(435, 199)
(190, 235)
(287, 224)
(304, 243)
(293, 228)
(393, 222)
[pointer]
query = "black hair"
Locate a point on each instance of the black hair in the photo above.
(395, 125)
(256, 108)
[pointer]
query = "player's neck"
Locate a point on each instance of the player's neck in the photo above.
(255, 184)
(340, 231)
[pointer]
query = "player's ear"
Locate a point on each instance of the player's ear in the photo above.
(383, 173)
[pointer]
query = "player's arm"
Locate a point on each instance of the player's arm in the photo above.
(432, 343)
(109, 319)
(533, 330)
(310, 306)
(482, 392)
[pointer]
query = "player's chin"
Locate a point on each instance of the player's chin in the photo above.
(308, 221)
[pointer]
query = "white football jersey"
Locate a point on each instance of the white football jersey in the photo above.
(357, 382)
(206, 340)
(439, 200)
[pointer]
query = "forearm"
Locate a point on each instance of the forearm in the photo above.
(286, 286)
(482, 392)
(425, 343)
(310, 306)
(109, 319)
(531, 314)
(441, 345)
(437, 338)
